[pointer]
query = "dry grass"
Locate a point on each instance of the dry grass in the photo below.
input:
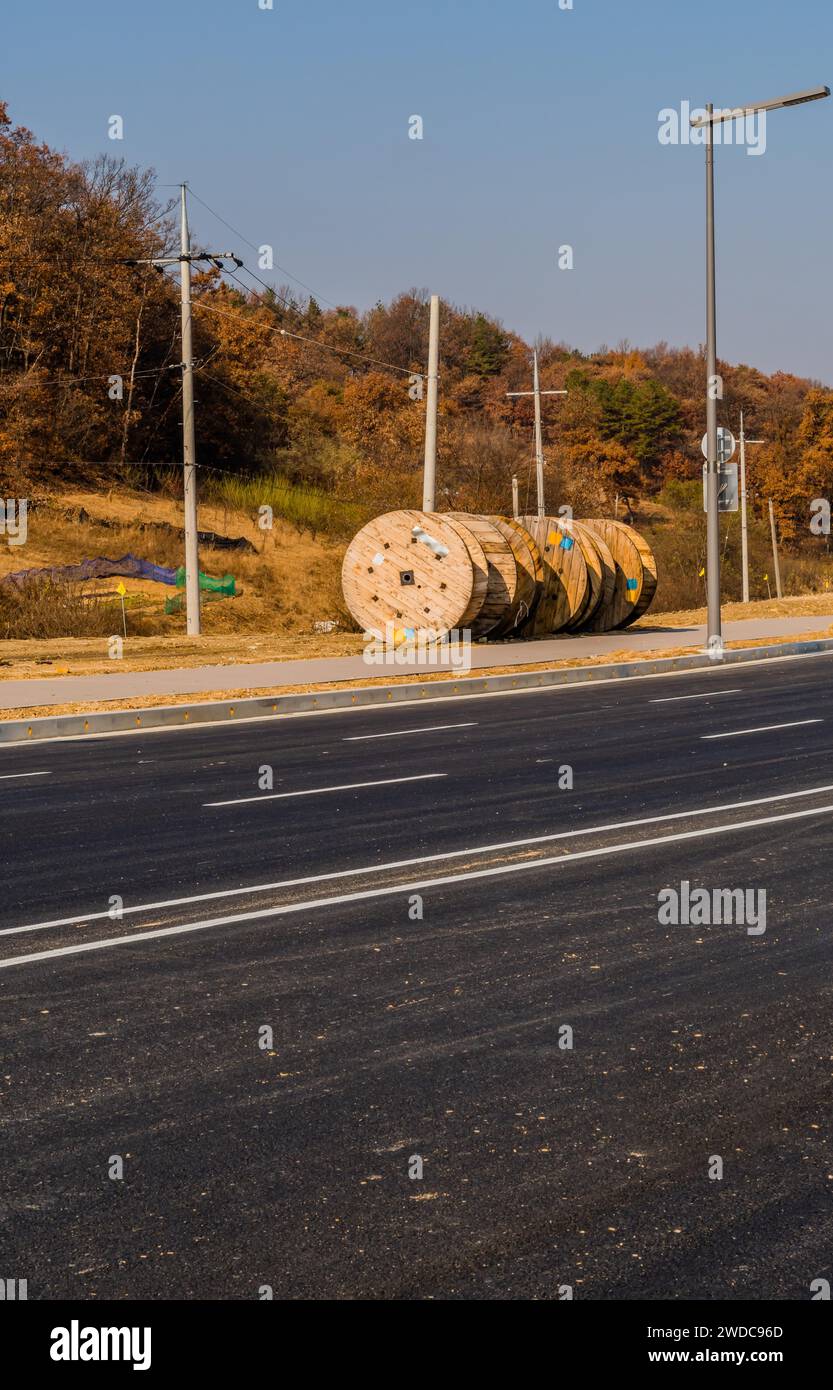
(291, 581)
(43, 608)
(801, 606)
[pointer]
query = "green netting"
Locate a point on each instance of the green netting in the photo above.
(223, 586)
(177, 605)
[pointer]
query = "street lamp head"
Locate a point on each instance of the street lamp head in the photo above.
(814, 94)
(796, 99)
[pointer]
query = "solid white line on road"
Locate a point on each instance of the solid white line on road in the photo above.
(554, 862)
(422, 859)
(704, 695)
(9, 776)
(764, 729)
(400, 733)
(318, 791)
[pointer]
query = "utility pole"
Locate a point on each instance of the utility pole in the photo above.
(714, 630)
(744, 531)
(539, 439)
(189, 444)
(775, 559)
(429, 477)
(189, 451)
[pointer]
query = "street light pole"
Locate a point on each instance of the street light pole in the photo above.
(744, 534)
(710, 119)
(714, 634)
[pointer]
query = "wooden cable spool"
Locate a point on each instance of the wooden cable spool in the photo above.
(649, 578)
(566, 583)
(596, 573)
(390, 577)
(479, 563)
(608, 572)
(496, 575)
(530, 569)
(503, 579)
(629, 575)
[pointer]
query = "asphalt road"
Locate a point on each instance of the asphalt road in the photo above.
(394, 1036)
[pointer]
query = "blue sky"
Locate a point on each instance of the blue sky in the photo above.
(540, 130)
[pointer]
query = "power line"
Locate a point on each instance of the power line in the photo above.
(27, 378)
(281, 268)
(315, 342)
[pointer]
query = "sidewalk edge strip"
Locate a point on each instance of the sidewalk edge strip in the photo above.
(82, 725)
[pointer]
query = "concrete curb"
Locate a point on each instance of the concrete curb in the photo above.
(266, 706)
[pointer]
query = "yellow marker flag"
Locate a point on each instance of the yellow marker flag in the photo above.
(702, 572)
(120, 589)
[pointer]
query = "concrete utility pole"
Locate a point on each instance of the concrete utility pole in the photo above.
(189, 459)
(539, 438)
(744, 531)
(775, 559)
(189, 444)
(429, 477)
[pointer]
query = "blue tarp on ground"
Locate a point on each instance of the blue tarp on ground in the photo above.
(129, 567)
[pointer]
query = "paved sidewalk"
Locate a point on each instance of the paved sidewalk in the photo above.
(62, 690)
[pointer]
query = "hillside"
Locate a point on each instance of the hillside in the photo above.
(318, 412)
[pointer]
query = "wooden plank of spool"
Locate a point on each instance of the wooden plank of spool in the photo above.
(388, 576)
(479, 564)
(608, 572)
(566, 581)
(629, 574)
(530, 572)
(649, 585)
(596, 573)
(502, 586)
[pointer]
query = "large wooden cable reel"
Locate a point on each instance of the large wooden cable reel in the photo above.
(595, 573)
(411, 571)
(649, 576)
(603, 572)
(390, 576)
(566, 583)
(530, 571)
(629, 575)
(480, 567)
(503, 578)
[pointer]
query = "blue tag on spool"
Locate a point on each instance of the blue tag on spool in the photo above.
(567, 543)
(633, 583)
